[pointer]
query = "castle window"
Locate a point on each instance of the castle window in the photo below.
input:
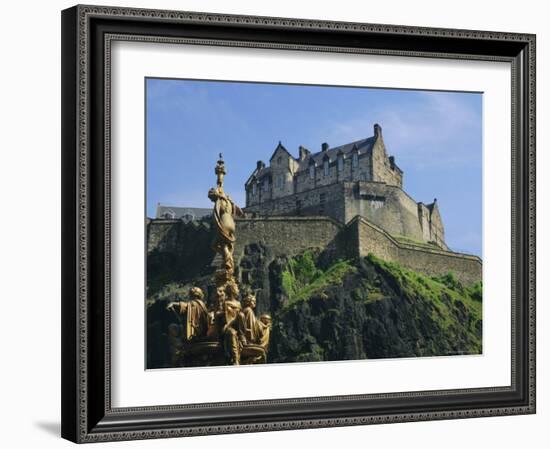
(279, 160)
(340, 162)
(325, 167)
(254, 188)
(312, 171)
(280, 181)
(355, 160)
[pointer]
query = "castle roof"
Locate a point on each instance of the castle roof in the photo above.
(185, 213)
(259, 173)
(362, 146)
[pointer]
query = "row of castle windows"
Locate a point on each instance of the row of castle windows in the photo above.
(279, 181)
(340, 165)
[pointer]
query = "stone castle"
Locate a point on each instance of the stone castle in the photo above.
(355, 179)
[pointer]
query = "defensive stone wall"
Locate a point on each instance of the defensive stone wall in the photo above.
(287, 235)
(177, 249)
(173, 244)
(325, 200)
(385, 205)
(424, 258)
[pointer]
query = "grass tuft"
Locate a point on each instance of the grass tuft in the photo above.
(303, 279)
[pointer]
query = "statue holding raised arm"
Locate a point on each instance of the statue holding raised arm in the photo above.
(223, 219)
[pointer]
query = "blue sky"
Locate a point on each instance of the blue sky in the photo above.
(436, 138)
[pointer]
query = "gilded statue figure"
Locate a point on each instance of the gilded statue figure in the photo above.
(225, 211)
(232, 309)
(254, 332)
(195, 312)
(265, 321)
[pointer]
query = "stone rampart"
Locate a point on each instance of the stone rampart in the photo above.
(321, 201)
(173, 244)
(287, 235)
(423, 258)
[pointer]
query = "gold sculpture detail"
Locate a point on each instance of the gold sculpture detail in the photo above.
(254, 332)
(223, 219)
(226, 327)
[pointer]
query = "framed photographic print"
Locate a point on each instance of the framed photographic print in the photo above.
(284, 223)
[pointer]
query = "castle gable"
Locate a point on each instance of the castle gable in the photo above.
(259, 174)
(280, 152)
(437, 231)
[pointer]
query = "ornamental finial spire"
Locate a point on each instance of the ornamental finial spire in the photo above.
(220, 172)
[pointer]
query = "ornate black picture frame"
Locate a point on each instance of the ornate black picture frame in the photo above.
(87, 413)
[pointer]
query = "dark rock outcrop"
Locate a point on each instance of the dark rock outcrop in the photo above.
(325, 309)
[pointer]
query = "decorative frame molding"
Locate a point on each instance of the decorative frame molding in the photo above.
(87, 33)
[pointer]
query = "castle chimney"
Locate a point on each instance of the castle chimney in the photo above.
(260, 165)
(324, 146)
(304, 153)
(377, 130)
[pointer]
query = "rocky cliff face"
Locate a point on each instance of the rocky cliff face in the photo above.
(325, 308)
(371, 309)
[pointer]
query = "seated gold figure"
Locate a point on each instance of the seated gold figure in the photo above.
(254, 332)
(195, 312)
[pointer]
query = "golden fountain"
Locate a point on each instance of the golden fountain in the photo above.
(228, 332)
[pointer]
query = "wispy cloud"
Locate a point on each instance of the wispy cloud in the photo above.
(436, 131)
(189, 104)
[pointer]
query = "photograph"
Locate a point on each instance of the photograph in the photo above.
(311, 223)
